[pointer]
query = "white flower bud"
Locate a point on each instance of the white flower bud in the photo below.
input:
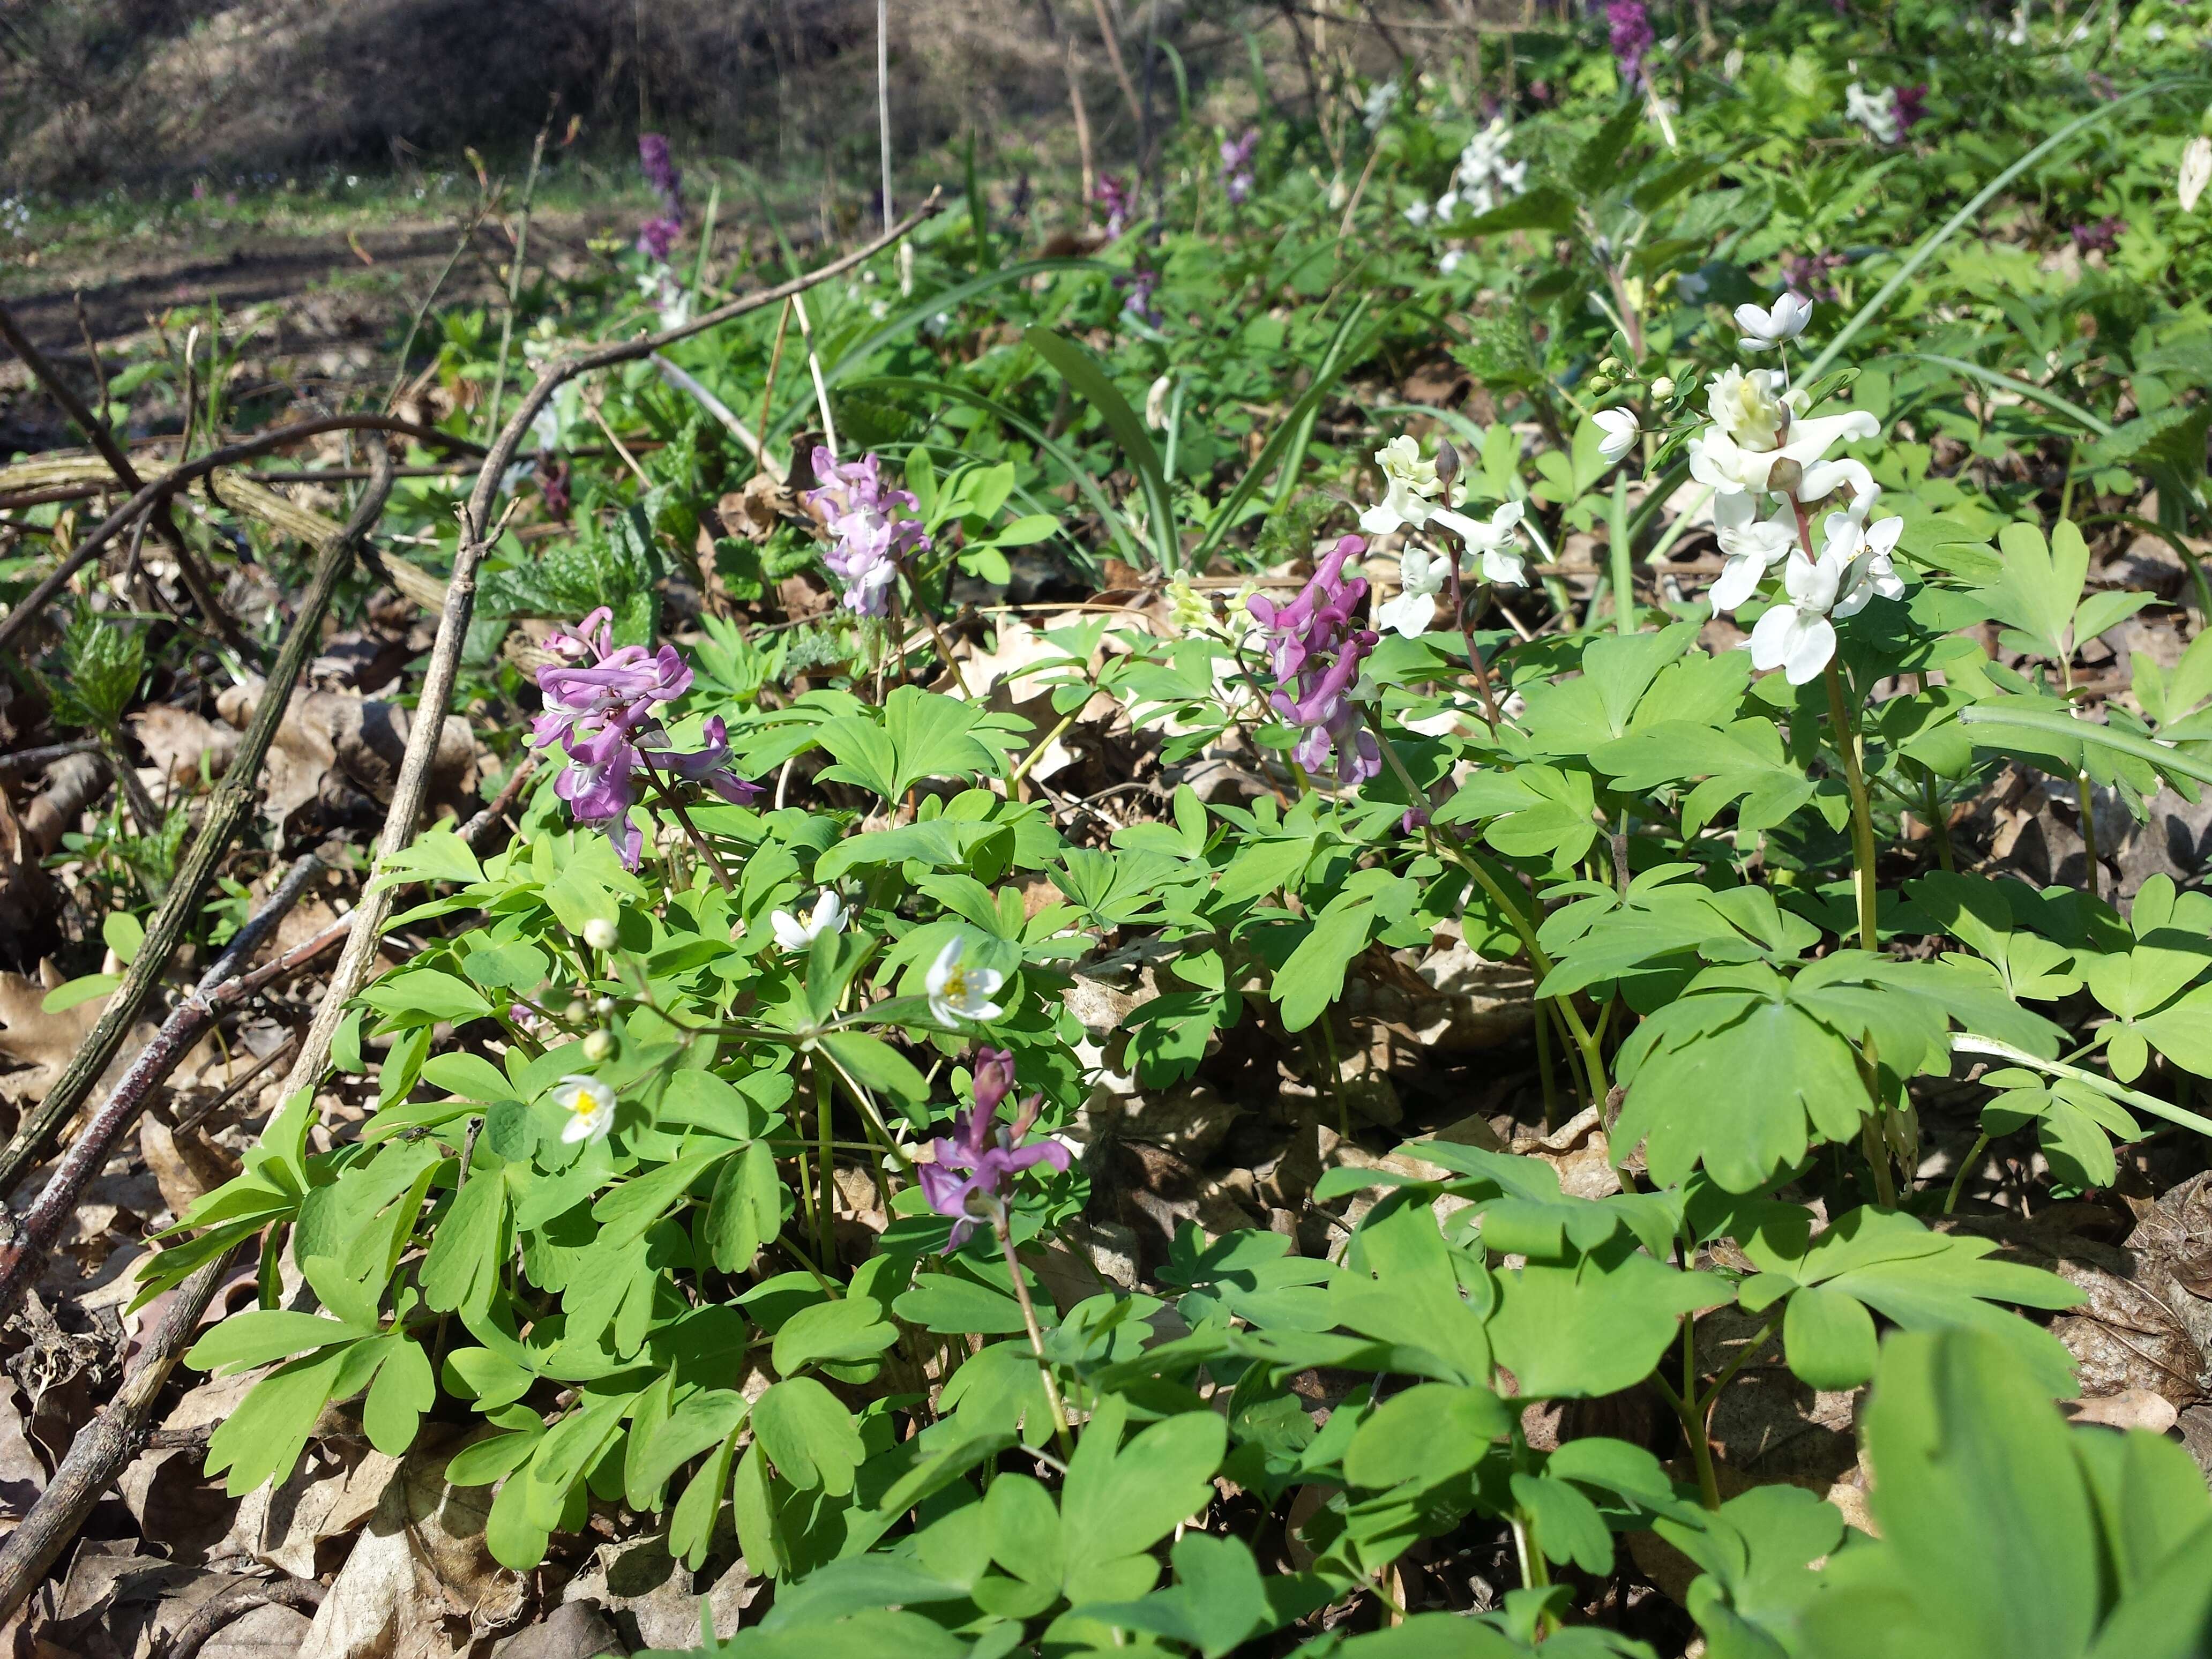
(599, 1046)
(599, 933)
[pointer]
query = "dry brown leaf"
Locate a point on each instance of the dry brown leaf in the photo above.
(340, 752)
(184, 1166)
(179, 743)
(420, 1584)
(45, 1042)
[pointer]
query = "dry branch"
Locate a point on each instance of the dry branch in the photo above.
(24, 1257)
(171, 481)
(199, 581)
(227, 810)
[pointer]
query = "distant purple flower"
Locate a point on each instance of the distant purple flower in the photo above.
(1629, 34)
(2102, 237)
(976, 1164)
(1114, 195)
(600, 701)
(553, 484)
(1808, 274)
(658, 235)
(660, 170)
(655, 237)
(1911, 108)
(1138, 285)
(871, 527)
(1315, 655)
(1237, 164)
(2103, 85)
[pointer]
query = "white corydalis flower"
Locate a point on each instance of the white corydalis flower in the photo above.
(1763, 329)
(958, 992)
(828, 916)
(2195, 171)
(1861, 552)
(1421, 578)
(590, 1105)
(1409, 489)
(1754, 430)
(1751, 546)
(1795, 635)
(1619, 430)
(1875, 111)
(1497, 542)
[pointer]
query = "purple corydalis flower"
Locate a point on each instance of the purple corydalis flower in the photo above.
(993, 1070)
(1911, 108)
(657, 235)
(1113, 195)
(976, 1164)
(600, 703)
(1808, 273)
(1629, 34)
(1316, 654)
(1137, 300)
(655, 161)
(2102, 237)
(1236, 163)
(871, 529)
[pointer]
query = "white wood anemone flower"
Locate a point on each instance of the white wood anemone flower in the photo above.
(828, 916)
(958, 992)
(590, 1105)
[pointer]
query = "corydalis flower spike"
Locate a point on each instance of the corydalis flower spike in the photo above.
(972, 1171)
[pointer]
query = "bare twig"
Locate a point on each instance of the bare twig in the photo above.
(721, 411)
(415, 323)
(198, 580)
(102, 1452)
(300, 1595)
(227, 810)
(514, 278)
(24, 1256)
(169, 483)
(1114, 55)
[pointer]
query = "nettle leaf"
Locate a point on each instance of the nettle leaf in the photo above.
(1890, 1264)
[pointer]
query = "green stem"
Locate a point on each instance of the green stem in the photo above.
(1939, 820)
(1701, 1451)
(1965, 1168)
(1965, 1043)
(1053, 1401)
(1845, 732)
(1758, 1340)
(826, 1214)
(1624, 580)
(1539, 961)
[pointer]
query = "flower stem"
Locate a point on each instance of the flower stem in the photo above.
(826, 1214)
(708, 854)
(1701, 1450)
(1844, 729)
(1489, 712)
(1965, 1168)
(1036, 1336)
